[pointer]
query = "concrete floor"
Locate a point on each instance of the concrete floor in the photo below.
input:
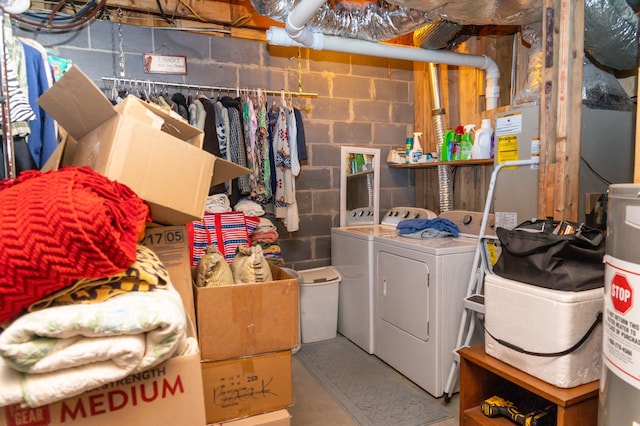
(313, 406)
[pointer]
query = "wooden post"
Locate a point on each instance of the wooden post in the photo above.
(561, 104)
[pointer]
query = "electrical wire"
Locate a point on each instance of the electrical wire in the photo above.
(86, 8)
(162, 14)
(598, 175)
(198, 17)
(48, 24)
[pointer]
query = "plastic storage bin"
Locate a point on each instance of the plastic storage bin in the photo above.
(319, 303)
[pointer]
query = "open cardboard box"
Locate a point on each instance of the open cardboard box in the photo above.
(171, 245)
(168, 394)
(247, 319)
(156, 154)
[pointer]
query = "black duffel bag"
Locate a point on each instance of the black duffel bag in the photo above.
(559, 255)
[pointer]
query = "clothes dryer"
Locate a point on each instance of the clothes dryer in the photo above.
(352, 256)
(420, 285)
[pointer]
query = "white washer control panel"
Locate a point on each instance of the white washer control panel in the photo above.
(396, 214)
(360, 216)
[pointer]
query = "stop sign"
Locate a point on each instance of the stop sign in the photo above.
(621, 293)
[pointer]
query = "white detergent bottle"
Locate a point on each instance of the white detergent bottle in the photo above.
(415, 155)
(482, 143)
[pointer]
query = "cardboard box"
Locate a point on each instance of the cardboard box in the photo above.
(171, 244)
(274, 418)
(247, 386)
(247, 319)
(169, 394)
(157, 155)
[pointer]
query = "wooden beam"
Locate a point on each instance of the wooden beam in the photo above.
(561, 102)
(548, 110)
(636, 163)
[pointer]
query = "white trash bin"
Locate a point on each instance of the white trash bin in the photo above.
(319, 303)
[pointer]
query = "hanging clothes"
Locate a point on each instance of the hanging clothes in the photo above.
(300, 140)
(42, 139)
(197, 114)
(236, 142)
(285, 201)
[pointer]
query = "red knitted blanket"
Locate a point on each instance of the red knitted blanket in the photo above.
(59, 226)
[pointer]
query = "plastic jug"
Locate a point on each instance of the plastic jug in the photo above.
(482, 143)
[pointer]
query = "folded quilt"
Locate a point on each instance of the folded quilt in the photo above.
(60, 226)
(62, 351)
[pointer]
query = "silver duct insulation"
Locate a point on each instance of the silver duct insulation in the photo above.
(611, 33)
(611, 26)
(479, 12)
(437, 116)
(441, 34)
(600, 89)
(366, 22)
(370, 22)
(530, 94)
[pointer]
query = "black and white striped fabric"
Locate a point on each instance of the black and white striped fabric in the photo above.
(19, 107)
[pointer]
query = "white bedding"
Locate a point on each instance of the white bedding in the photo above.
(62, 351)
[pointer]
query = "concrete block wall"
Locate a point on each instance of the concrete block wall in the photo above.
(362, 101)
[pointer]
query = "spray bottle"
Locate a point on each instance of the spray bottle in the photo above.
(415, 155)
(466, 144)
(447, 145)
(408, 145)
(455, 154)
(482, 144)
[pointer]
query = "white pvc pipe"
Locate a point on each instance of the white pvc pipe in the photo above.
(318, 41)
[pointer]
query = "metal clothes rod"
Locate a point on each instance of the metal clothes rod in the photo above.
(131, 82)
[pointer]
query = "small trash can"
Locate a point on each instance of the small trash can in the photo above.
(319, 303)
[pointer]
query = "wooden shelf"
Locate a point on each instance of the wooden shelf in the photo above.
(482, 376)
(361, 173)
(475, 417)
(442, 163)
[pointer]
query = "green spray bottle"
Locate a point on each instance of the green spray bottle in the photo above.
(447, 145)
(467, 142)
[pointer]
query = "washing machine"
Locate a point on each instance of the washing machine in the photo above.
(420, 285)
(352, 256)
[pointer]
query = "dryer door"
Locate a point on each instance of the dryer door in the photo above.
(403, 293)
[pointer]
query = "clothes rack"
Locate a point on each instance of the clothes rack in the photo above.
(7, 137)
(145, 83)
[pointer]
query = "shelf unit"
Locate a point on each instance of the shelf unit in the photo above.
(482, 376)
(430, 164)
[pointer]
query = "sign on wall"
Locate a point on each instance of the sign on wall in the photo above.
(164, 64)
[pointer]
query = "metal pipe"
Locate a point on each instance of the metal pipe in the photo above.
(437, 116)
(7, 137)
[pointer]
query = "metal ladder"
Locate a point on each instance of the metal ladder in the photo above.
(473, 303)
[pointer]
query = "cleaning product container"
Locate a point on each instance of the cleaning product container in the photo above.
(620, 381)
(482, 143)
(319, 303)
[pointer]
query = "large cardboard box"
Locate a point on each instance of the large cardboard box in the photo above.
(167, 395)
(171, 244)
(158, 155)
(274, 418)
(247, 386)
(247, 319)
